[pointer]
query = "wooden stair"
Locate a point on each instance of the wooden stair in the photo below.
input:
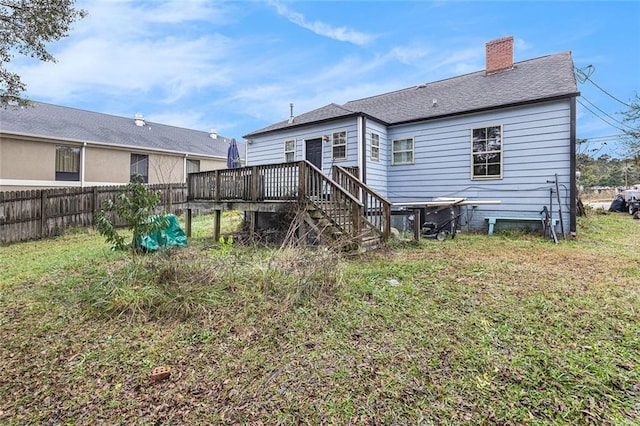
(326, 230)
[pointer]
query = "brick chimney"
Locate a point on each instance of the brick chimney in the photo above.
(499, 55)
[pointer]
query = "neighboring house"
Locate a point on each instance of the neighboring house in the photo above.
(501, 134)
(46, 146)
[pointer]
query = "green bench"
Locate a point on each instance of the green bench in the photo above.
(493, 219)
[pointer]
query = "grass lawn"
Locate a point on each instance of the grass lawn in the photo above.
(507, 329)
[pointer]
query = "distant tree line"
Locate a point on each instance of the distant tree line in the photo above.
(606, 171)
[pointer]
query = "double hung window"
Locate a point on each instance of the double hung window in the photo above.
(339, 146)
(290, 150)
(139, 168)
(67, 163)
(486, 152)
(402, 151)
(375, 146)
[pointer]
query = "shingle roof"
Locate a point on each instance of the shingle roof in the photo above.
(528, 81)
(58, 122)
(327, 112)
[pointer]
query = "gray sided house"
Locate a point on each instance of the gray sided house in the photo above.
(51, 146)
(498, 135)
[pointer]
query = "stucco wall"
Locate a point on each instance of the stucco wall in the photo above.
(106, 166)
(30, 164)
(27, 160)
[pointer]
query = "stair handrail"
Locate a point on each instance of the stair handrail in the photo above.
(314, 185)
(349, 182)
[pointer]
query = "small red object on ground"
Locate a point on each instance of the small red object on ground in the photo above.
(160, 373)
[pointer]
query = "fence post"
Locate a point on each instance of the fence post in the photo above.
(188, 223)
(43, 212)
(95, 206)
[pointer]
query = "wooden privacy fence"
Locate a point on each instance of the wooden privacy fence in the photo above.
(42, 213)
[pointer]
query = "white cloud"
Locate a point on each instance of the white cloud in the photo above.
(174, 67)
(120, 50)
(522, 45)
(337, 33)
(409, 54)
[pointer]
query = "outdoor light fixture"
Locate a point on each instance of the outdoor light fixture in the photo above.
(325, 138)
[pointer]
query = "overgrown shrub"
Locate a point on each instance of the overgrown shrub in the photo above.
(135, 206)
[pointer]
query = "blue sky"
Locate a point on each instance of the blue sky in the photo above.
(236, 65)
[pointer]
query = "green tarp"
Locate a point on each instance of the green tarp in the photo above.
(171, 235)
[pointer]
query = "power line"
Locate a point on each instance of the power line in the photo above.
(583, 77)
(600, 117)
(607, 136)
(608, 115)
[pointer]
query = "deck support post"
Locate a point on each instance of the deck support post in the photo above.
(187, 223)
(417, 221)
(253, 217)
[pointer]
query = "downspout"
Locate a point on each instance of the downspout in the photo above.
(572, 170)
(362, 150)
(83, 160)
(184, 167)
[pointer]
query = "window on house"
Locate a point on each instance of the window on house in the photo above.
(486, 147)
(402, 151)
(139, 168)
(290, 150)
(193, 166)
(375, 146)
(67, 163)
(339, 146)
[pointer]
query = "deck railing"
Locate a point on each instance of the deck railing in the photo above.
(299, 180)
(258, 183)
(376, 210)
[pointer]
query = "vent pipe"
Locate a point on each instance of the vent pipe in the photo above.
(213, 134)
(139, 120)
(291, 113)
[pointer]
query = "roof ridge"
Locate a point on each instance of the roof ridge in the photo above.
(86, 111)
(424, 85)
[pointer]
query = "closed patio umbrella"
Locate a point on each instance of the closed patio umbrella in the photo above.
(233, 156)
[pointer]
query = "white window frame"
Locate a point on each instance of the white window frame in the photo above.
(67, 163)
(375, 147)
(394, 152)
(291, 151)
(142, 159)
(338, 139)
(487, 151)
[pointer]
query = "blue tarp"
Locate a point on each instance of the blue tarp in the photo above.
(171, 235)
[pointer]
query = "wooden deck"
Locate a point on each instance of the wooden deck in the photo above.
(343, 200)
